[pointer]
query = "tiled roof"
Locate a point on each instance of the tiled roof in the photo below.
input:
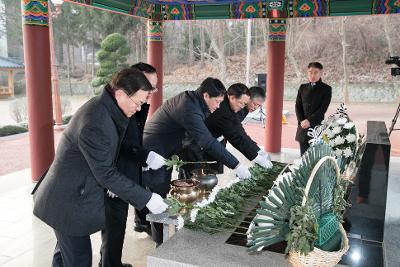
(11, 63)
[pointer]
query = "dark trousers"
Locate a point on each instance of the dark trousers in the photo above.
(158, 181)
(140, 217)
(72, 251)
(113, 236)
(303, 147)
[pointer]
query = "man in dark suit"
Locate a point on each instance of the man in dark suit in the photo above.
(257, 98)
(313, 99)
(132, 158)
(179, 117)
(71, 195)
(226, 125)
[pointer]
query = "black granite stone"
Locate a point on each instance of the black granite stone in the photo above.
(366, 216)
(363, 253)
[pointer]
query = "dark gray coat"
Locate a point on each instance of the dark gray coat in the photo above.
(71, 196)
(179, 117)
(311, 104)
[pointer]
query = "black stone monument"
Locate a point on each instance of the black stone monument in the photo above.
(366, 216)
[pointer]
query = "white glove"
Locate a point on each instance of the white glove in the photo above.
(111, 194)
(156, 204)
(263, 160)
(155, 161)
(242, 172)
(263, 153)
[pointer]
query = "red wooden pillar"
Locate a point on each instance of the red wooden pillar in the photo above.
(38, 85)
(155, 58)
(275, 85)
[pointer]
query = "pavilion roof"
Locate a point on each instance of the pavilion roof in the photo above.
(10, 63)
(241, 9)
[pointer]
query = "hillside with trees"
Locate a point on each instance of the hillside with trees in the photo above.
(352, 49)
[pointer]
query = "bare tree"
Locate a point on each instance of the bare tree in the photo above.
(290, 48)
(202, 46)
(342, 33)
(216, 35)
(190, 29)
(387, 35)
(248, 50)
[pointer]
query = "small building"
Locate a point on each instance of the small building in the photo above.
(9, 65)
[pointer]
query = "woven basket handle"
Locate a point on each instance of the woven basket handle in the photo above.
(313, 173)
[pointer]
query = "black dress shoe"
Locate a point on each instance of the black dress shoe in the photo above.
(140, 228)
(123, 264)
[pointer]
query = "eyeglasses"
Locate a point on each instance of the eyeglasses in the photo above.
(136, 103)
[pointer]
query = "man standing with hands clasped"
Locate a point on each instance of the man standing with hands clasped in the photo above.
(313, 99)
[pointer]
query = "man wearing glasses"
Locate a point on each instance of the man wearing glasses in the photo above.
(71, 196)
(133, 156)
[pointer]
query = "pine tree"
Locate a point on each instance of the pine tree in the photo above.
(112, 56)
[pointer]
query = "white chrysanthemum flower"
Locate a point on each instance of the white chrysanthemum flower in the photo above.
(348, 125)
(202, 204)
(331, 134)
(328, 131)
(193, 215)
(181, 222)
(332, 143)
(337, 130)
(211, 197)
(339, 140)
(351, 138)
(342, 121)
(347, 152)
(338, 152)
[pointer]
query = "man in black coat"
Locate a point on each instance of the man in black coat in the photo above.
(179, 117)
(132, 158)
(71, 195)
(257, 98)
(313, 99)
(225, 124)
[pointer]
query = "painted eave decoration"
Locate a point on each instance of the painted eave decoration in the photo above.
(241, 9)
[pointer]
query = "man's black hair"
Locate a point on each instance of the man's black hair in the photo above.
(213, 87)
(237, 90)
(256, 91)
(130, 81)
(316, 65)
(144, 67)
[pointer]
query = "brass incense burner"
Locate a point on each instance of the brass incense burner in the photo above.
(185, 191)
(207, 181)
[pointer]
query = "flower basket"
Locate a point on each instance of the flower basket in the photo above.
(318, 257)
